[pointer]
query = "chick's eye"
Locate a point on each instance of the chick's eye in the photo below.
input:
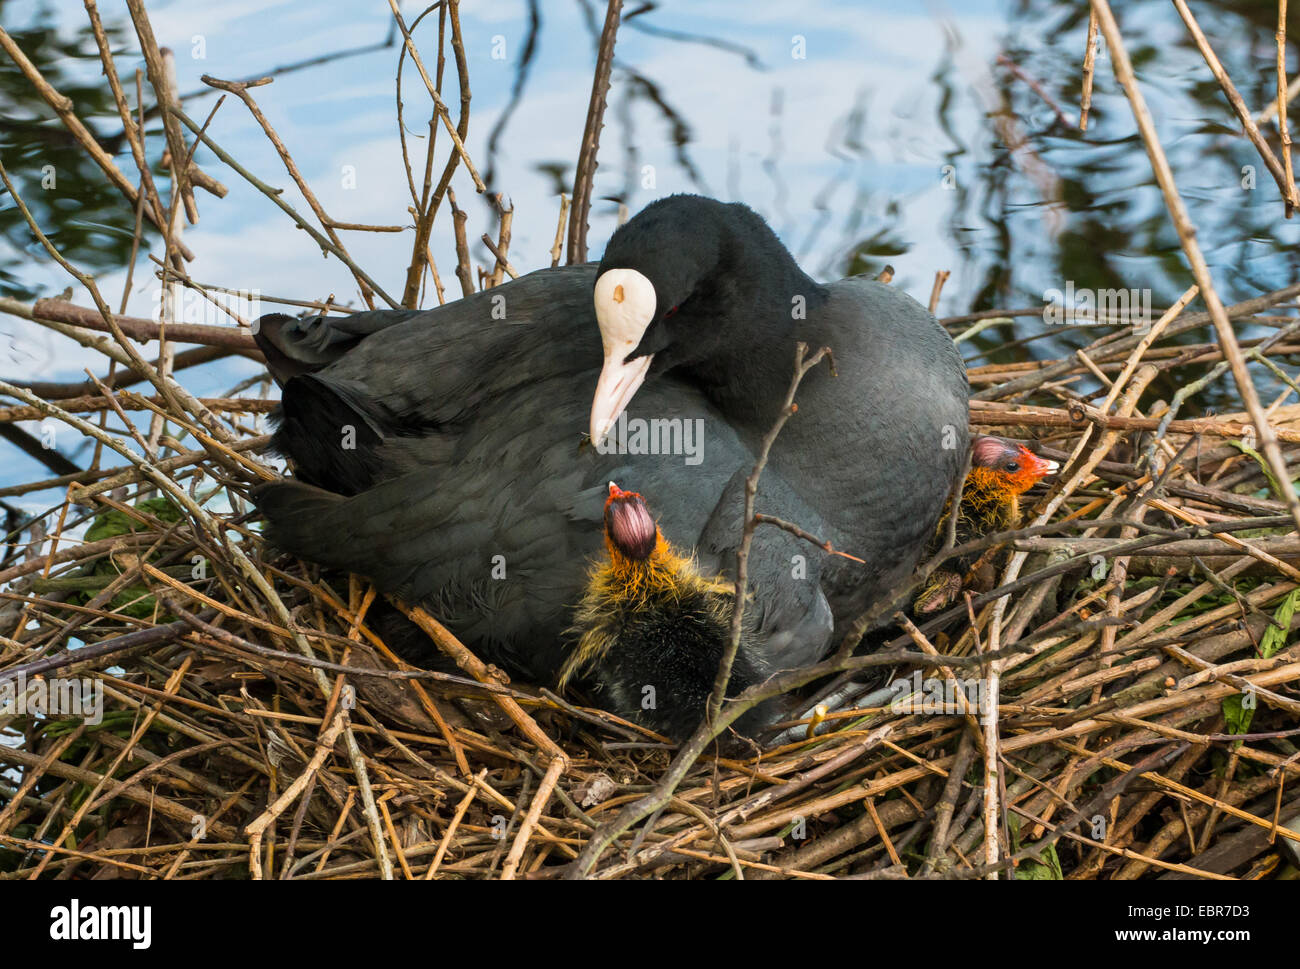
(1012, 466)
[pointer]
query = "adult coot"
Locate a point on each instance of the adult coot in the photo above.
(440, 453)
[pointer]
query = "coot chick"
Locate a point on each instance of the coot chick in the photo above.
(651, 629)
(1001, 471)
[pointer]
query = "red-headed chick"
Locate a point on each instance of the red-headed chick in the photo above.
(1001, 471)
(651, 629)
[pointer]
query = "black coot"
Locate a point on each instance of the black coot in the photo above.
(440, 452)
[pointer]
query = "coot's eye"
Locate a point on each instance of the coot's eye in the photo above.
(1012, 466)
(670, 312)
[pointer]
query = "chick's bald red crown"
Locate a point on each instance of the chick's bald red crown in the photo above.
(1016, 465)
(628, 525)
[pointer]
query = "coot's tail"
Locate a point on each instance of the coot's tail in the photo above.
(301, 520)
(293, 347)
(295, 513)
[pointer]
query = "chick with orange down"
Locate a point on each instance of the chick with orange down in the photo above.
(1001, 471)
(651, 629)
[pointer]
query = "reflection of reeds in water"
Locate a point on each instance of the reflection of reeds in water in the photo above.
(1136, 643)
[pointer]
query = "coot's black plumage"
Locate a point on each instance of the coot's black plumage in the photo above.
(438, 452)
(704, 291)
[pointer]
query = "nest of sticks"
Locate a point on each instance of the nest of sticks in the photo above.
(1135, 664)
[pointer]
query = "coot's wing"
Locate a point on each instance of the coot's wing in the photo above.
(793, 621)
(425, 379)
(439, 367)
(413, 347)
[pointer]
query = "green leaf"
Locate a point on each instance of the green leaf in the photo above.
(119, 722)
(110, 524)
(113, 522)
(1046, 870)
(1235, 716)
(1263, 466)
(161, 508)
(1275, 635)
